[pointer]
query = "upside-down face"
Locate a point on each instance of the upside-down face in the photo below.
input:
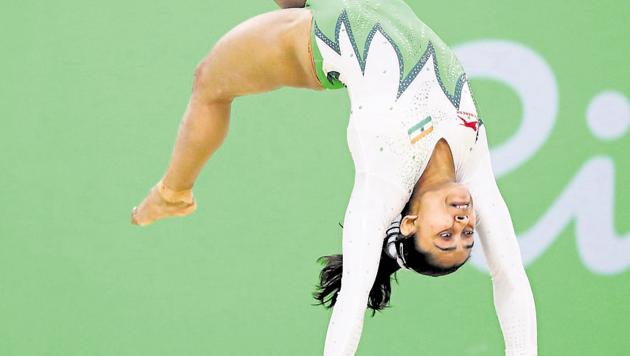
(443, 220)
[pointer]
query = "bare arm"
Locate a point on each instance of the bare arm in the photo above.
(285, 4)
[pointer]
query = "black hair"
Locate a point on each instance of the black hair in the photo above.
(418, 260)
(411, 257)
(421, 262)
(330, 279)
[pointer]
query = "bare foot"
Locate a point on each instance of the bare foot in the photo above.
(163, 203)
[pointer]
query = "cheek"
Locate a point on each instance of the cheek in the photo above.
(428, 223)
(434, 222)
(427, 233)
(423, 239)
(431, 200)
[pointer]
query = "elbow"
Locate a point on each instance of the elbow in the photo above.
(354, 296)
(510, 276)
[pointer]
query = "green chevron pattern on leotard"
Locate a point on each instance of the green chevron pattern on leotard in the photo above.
(413, 41)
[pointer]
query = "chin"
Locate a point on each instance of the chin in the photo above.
(458, 193)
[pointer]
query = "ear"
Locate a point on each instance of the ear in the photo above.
(408, 225)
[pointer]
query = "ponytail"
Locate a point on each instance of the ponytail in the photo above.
(330, 279)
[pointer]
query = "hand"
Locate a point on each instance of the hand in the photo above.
(161, 203)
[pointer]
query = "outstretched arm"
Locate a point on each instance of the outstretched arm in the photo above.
(261, 54)
(513, 299)
(373, 205)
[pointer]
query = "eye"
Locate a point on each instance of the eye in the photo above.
(469, 232)
(445, 234)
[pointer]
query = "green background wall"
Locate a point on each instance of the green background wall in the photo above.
(91, 94)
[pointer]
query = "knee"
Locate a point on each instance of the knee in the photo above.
(207, 84)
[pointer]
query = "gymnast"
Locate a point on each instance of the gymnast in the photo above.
(423, 183)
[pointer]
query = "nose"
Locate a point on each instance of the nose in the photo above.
(461, 218)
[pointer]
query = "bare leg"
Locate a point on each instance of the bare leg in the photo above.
(261, 54)
(201, 132)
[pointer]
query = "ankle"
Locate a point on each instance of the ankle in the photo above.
(174, 196)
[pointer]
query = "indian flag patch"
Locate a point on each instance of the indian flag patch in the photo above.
(421, 129)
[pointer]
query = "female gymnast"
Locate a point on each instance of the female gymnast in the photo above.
(418, 147)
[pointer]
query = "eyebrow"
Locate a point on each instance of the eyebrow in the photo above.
(445, 248)
(453, 248)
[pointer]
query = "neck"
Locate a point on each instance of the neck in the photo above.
(439, 171)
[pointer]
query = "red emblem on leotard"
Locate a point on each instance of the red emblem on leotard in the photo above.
(468, 123)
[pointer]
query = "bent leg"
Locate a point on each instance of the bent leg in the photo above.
(261, 54)
(264, 53)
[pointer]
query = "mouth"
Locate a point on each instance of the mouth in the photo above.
(460, 205)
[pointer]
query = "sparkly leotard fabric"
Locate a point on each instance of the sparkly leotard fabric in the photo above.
(408, 91)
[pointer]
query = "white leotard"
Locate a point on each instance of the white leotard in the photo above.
(381, 130)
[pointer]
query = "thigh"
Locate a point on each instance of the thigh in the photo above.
(263, 53)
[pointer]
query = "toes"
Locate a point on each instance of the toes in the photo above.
(138, 219)
(134, 220)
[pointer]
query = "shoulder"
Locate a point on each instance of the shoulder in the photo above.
(475, 157)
